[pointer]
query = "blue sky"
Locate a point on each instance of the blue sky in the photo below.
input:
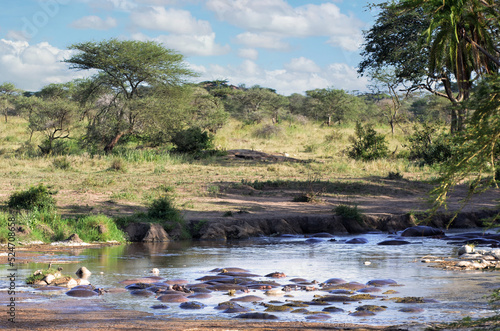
(291, 46)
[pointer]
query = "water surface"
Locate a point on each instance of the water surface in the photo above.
(457, 294)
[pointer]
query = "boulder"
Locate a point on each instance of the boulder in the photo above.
(83, 272)
(465, 249)
(74, 238)
(146, 232)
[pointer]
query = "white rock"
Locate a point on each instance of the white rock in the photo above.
(49, 278)
(465, 249)
(82, 281)
(83, 273)
(155, 271)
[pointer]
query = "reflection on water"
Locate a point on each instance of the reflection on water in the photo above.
(458, 294)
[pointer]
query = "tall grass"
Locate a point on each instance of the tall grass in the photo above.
(48, 226)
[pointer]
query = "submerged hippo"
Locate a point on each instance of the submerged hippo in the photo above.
(422, 231)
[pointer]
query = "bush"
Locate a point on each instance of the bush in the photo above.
(118, 165)
(368, 144)
(164, 208)
(429, 146)
(348, 212)
(62, 163)
(36, 197)
(192, 140)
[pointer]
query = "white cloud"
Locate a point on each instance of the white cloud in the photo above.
(189, 45)
(94, 22)
(170, 20)
(30, 67)
(281, 19)
(268, 41)
(302, 64)
(292, 78)
(248, 53)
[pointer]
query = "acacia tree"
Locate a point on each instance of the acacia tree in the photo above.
(385, 81)
(330, 104)
(51, 111)
(8, 94)
(127, 71)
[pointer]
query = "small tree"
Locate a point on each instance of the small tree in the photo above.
(368, 144)
(8, 94)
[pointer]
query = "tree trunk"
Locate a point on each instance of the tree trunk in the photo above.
(109, 147)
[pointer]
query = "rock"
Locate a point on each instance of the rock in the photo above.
(422, 231)
(49, 278)
(82, 281)
(83, 272)
(465, 249)
(146, 232)
(74, 238)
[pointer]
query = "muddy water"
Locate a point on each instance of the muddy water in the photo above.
(456, 294)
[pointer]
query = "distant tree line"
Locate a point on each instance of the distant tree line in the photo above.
(140, 91)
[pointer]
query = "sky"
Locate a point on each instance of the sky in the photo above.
(288, 45)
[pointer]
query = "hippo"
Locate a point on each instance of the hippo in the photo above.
(422, 231)
(357, 241)
(258, 316)
(394, 242)
(318, 317)
(192, 305)
(81, 293)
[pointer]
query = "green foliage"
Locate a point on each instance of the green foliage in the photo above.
(192, 140)
(428, 146)
(476, 150)
(348, 212)
(164, 208)
(368, 144)
(99, 228)
(36, 197)
(45, 272)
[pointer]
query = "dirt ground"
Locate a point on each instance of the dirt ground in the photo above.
(92, 314)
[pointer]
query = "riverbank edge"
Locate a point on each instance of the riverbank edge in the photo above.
(247, 226)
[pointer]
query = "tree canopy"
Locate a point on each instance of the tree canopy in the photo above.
(131, 76)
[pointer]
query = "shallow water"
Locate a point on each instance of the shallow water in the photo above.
(458, 294)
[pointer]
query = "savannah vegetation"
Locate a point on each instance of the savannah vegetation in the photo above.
(139, 138)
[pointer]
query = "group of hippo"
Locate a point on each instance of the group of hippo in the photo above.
(243, 296)
(476, 238)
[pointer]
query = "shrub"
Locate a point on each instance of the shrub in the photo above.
(61, 163)
(118, 165)
(348, 212)
(165, 209)
(368, 144)
(192, 140)
(429, 146)
(36, 197)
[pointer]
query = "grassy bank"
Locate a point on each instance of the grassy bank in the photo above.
(125, 182)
